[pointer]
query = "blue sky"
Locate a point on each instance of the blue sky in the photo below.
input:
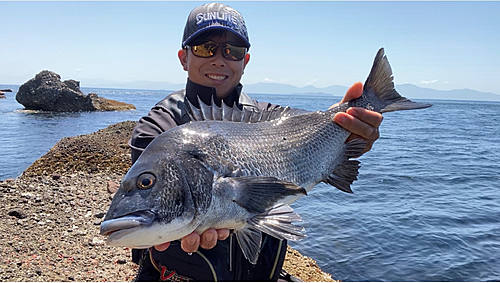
(439, 45)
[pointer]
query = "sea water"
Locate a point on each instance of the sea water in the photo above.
(426, 205)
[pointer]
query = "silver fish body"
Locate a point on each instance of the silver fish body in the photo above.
(242, 176)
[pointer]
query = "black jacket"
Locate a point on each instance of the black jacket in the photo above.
(225, 262)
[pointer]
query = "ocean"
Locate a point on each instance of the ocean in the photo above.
(426, 206)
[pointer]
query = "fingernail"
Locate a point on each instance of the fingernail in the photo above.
(209, 237)
(191, 241)
(339, 119)
(353, 112)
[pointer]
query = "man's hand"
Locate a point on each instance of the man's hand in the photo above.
(360, 122)
(193, 241)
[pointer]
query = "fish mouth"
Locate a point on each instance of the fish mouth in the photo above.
(121, 226)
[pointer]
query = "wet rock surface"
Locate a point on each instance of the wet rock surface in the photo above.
(50, 215)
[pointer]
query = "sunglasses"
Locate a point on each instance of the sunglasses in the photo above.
(208, 49)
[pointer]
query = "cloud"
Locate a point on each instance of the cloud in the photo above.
(312, 82)
(267, 80)
(78, 69)
(428, 82)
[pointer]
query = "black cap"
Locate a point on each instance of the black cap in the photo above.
(214, 16)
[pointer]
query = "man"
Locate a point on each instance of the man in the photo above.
(214, 54)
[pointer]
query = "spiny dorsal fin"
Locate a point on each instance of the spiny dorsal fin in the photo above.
(195, 114)
(227, 112)
(216, 111)
(205, 109)
(232, 114)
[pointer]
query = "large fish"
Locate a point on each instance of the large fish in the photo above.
(242, 176)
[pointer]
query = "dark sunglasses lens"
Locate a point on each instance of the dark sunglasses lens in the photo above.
(204, 50)
(234, 53)
(208, 49)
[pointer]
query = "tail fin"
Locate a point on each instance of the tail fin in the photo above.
(379, 93)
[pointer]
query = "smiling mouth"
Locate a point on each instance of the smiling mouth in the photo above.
(216, 77)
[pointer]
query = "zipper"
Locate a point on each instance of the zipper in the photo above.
(231, 251)
(209, 264)
(239, 258)
(141, 264)
(276, 260)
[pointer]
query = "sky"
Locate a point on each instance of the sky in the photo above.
(439, 45)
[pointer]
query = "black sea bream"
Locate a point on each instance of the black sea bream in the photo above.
(242, 176)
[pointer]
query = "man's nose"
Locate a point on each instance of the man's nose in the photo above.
(218, 60)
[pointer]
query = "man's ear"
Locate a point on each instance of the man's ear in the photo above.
(246, 60)
(182, 54)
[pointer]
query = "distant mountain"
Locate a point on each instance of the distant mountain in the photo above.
(413, 91)
(277, 88)
(407, 90)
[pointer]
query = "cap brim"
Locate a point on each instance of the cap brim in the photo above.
(203, 30)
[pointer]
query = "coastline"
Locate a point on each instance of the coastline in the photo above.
(52, 212)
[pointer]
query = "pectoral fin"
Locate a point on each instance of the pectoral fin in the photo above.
(258, 194)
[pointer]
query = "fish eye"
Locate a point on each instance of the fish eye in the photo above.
(145, 181)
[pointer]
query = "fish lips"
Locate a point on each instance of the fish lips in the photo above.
(121, 226)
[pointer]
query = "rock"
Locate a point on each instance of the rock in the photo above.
(17, 213)
(100, 214)
(121, 261)
(112, 187)
(3, 91)
(47, 92)
(90, 153)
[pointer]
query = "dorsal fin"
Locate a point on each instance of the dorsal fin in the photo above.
(205, 109)
(237, 113)
(216, 110)
(233, 114)
(227, 112)
(195, 114)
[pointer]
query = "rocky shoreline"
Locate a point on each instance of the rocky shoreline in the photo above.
(51, 214)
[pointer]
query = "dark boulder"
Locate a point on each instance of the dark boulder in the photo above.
(47, 92)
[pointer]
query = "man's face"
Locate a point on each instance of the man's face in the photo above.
(217, 71)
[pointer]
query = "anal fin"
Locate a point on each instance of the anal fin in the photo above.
(276, 222)
(347, 171)
(250, 241)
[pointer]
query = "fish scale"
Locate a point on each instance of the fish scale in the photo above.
(241, 174)
(287, 150)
